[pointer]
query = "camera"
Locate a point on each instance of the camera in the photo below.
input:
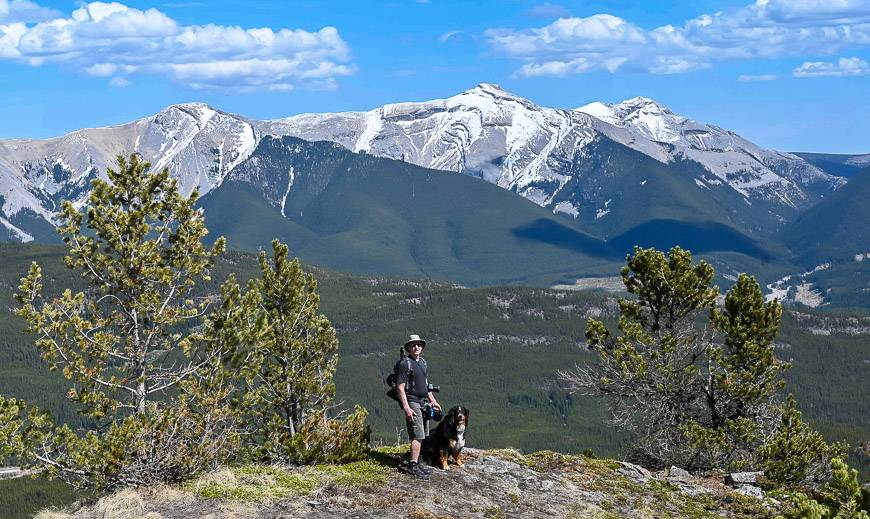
(433, 389)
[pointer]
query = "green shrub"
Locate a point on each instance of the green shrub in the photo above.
(797, 454)
(332, 440)
(841, 498)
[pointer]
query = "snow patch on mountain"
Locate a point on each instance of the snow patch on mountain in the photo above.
(859, 160)
(794, 288)
(20, 235)
(291, 174)
(566, 208)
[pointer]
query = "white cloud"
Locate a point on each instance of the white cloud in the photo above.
(842, 68)
(747, 78)
(764, 29)
(561, 68)
(111, 39)
(120, 82)
(449, 34)
(108, 69)
(24, 11)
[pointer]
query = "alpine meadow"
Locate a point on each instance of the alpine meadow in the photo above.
(433, 260)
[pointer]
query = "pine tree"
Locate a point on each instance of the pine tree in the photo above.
(696, 384)
(287, 353)
(140, 367)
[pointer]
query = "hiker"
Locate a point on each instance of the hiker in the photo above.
(413, 387)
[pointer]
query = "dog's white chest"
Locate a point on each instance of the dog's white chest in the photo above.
(458, 443)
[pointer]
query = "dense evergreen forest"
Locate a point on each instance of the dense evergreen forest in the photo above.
(494, 350)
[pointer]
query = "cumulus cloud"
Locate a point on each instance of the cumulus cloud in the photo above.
(764, 29)
(842, 68)
(112, 39)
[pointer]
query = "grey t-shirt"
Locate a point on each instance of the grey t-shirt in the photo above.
(413, 373)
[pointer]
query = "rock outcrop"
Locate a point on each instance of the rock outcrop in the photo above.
(491, 484)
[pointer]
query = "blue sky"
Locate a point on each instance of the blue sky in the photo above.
(787, 74)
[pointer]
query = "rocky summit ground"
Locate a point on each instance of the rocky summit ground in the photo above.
(492, 484)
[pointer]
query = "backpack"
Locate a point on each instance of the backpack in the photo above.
(391, 380)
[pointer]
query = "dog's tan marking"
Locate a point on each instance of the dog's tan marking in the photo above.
(442, 459)
(458, 459)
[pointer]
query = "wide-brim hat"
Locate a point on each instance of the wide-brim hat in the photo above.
(412, 339)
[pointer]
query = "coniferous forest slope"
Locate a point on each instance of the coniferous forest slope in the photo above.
(360, 213)
(495, 350)
(830, 230)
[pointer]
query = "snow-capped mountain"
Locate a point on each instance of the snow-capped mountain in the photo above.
(198, 144)
(746, 167)
(551, 156)
(485, 132)
(521, 146)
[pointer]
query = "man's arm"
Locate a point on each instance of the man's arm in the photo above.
(432, 400)
(409, 413)
(430, 395)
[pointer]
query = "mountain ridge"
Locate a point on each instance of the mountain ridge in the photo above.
(484, 131)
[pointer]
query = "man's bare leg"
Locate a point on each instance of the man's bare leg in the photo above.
(415, 450)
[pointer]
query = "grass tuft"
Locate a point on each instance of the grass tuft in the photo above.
(256, 483)
(263, 483)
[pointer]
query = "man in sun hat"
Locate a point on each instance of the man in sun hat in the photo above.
(413, 388)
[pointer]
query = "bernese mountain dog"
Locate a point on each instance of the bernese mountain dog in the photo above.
(448, 439)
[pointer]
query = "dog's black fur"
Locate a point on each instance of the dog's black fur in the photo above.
(448, 439)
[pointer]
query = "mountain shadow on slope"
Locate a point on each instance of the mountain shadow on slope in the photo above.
(359, 213)
(546, 230)
(699, 237)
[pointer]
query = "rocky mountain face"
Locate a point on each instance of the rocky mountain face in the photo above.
(540, 153)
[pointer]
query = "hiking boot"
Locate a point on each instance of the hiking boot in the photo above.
(416, 470)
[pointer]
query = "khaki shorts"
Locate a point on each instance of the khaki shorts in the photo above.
(418, 428)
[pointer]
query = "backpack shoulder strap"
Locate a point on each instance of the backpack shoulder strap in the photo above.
(410, 374)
